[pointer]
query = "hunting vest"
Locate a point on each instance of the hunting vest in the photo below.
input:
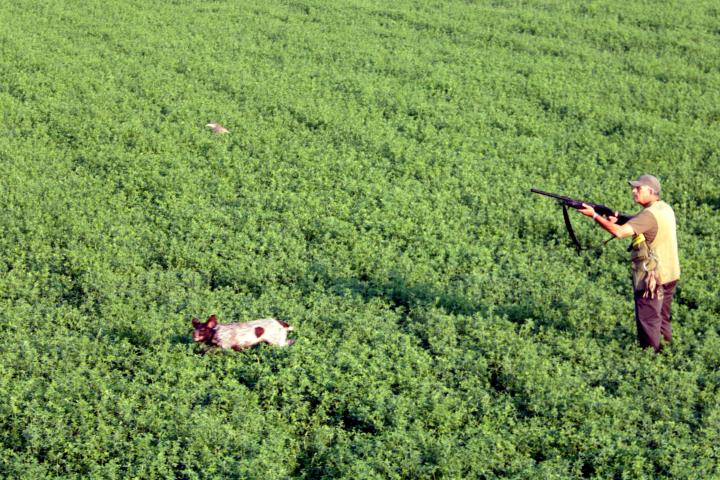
(656, 263)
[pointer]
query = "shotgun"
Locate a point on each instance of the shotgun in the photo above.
(577, 204)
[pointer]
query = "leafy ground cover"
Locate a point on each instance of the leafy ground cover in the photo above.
(373, 191)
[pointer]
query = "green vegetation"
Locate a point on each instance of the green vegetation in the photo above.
(373, 191)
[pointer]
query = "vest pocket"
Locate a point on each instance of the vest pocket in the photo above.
(644, 269)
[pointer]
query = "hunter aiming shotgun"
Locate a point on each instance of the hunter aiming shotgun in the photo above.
(577, 205)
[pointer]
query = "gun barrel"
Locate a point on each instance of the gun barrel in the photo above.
(541, 192)
(567, 200)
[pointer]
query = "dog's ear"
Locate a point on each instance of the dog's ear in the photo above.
(196, 323)
(211, 321)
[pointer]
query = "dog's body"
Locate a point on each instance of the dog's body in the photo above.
(239, 336)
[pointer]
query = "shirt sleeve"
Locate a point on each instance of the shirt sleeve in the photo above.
(645, 223)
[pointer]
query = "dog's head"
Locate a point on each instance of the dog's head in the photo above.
(204, 332)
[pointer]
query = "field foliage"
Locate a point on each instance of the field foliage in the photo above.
(373, 192)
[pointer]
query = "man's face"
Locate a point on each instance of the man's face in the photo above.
(643, 194)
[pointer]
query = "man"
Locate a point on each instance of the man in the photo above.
(654, 256)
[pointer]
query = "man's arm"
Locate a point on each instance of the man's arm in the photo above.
(620, 231)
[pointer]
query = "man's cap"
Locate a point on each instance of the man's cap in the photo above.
(648, 181)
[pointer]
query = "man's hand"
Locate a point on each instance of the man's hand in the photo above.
(587, 210)
(609, 224)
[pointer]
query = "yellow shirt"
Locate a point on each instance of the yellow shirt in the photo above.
(662, 238)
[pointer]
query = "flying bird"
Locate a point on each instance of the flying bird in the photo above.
(217, 128)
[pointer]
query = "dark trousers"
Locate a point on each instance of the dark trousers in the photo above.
(652, 316)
